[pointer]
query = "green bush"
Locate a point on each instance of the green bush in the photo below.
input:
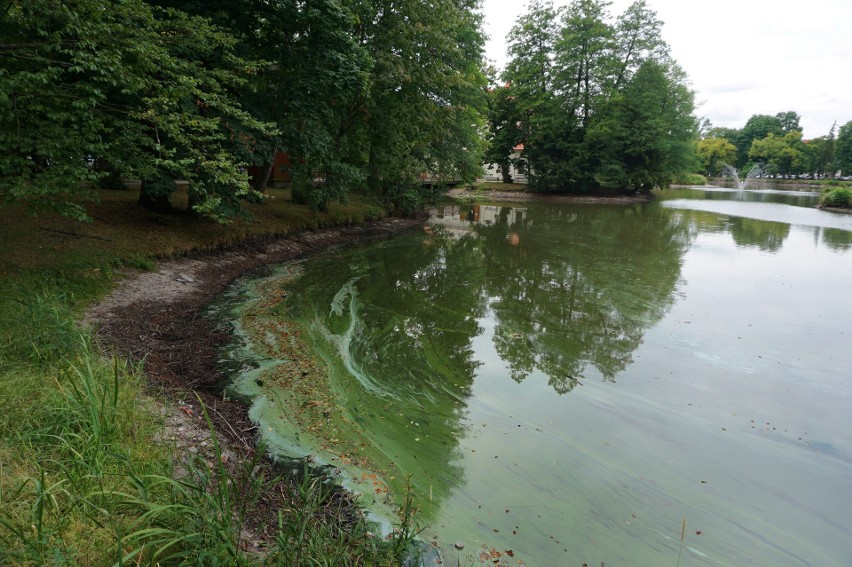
(690, 179)
(403, 198)
(837, 197)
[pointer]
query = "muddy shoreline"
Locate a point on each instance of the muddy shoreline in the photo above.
(157, 318)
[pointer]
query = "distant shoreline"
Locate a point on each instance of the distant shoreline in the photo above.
(526, 196)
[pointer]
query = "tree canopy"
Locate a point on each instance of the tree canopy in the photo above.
(782, 154)
(361, 93)
(366, 95)
(598, 101)
(714, 153)
(776, 144)
(843, 149)
(90, 86)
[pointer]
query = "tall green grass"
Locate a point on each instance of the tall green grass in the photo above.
(83, 481)
(198, 517)
(71, 428)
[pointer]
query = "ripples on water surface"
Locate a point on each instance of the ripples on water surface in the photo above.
(569, 382)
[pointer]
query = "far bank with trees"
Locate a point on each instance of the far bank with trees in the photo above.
(596, 102)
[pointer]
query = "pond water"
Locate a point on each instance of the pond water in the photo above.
(563, 384)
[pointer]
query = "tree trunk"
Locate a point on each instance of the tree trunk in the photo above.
(262, 179)
(506, 170)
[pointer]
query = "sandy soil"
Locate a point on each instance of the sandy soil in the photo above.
(156, 317)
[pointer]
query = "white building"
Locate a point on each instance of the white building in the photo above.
(517, 165)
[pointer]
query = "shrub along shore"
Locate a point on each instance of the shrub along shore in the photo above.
(116, 446)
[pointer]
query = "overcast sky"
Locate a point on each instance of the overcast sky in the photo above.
(744, 57)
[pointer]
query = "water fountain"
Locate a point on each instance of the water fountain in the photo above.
(742, 185)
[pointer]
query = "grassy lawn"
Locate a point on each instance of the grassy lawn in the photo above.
(121, 231)
(83, 480)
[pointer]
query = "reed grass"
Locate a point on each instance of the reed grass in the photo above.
(68, 444)
(682, 538)
(88, 489)
(324, 531)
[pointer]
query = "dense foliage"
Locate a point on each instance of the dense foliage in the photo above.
(90, 87)
(836, 197)
(362, 95)
(595, 102)
(775, 144)
(843, 149)
(359, 93)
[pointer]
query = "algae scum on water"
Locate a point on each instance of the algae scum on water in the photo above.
(361, 402)
(564, 384)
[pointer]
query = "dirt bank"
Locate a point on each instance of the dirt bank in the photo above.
(844, 210)
(156, 317)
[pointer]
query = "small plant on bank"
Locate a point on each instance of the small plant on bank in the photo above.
(690, 179)
(139, 262)
(836, 197)
(202, 518)
(325, 529)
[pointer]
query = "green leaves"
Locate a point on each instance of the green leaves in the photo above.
(781, 154)
(355, 92)
(714, 152)
(142, 89)
(843, 149)
(598, 103)
(426, 95)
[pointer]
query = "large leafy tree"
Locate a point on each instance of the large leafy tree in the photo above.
(713, 153)
(731, 135)
(789, 121)
(530, 76)
(819, 154)
(599, 101)
(646, 131)
(324, 72)
(638, 38)
(584, 55)
(531, 46)
(422, 111)
(504, 129)
(309, 70)
(782, 155)
(560, 61)
(358, 92)
(843, 149)
(584, 59)
(757, 127)
(89, 82)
